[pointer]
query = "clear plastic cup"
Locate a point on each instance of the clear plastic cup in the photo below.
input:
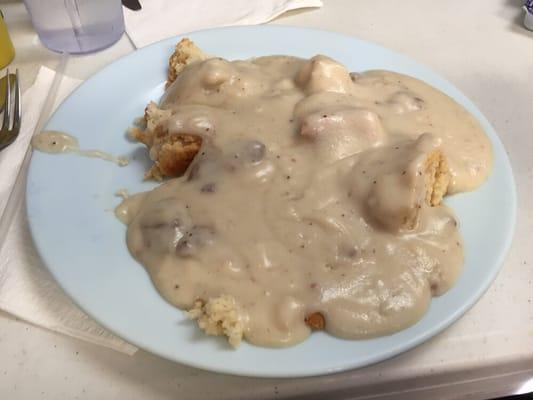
(528, 18)
(77, 26)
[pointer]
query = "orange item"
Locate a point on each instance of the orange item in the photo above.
(7, 51)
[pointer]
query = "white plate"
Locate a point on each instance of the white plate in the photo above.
(70, 201)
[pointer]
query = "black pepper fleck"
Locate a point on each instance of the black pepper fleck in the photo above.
(208, 188)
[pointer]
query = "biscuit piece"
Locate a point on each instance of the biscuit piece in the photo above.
(173, 156)
(437, 177)
(395, 182)
(433, 182)
(185, 53)
(171, 152)
(220, 316)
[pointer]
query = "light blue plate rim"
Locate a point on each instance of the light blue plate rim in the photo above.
(112, 293)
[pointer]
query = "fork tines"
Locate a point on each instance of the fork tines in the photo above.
(12, 110)
(7, 101)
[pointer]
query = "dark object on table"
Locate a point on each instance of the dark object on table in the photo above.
(524, 396)
(132, 4)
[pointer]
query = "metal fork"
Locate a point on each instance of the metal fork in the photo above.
(12, 111)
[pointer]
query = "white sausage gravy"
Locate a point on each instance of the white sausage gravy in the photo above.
(309, 195)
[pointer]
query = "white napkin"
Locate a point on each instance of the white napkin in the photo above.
(27, 290)
(160, 19)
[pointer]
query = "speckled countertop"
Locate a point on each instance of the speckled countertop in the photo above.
(481, 47)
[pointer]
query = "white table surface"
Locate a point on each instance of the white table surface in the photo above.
(481, 47)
